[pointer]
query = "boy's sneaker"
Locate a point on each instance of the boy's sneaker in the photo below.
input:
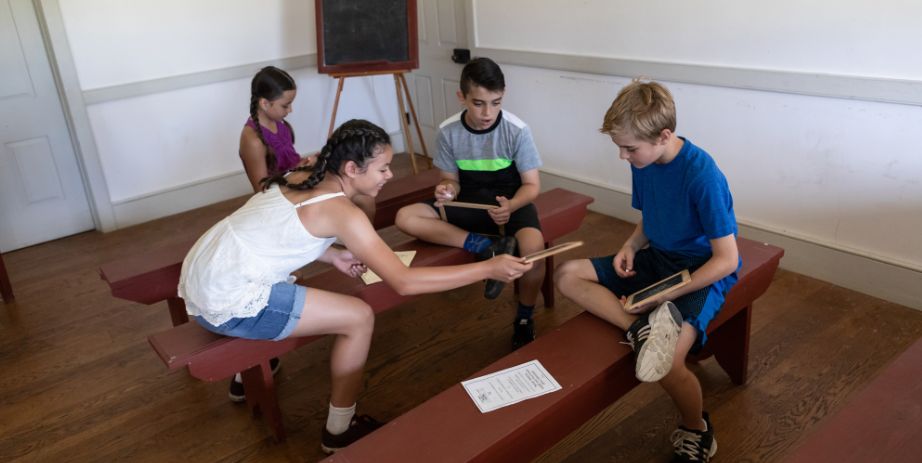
(504, 245)
(692, 445)
(236, 392)
(653, 337)
(523, 332)
(361, 426)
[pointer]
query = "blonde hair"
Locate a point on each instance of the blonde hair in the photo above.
(641, 108)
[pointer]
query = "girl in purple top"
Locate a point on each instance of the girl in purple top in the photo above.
(267, 140)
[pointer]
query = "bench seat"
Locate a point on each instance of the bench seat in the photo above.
(212, 357)
(450, 428)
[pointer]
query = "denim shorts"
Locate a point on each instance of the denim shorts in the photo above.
(275, 321)
(651, 265)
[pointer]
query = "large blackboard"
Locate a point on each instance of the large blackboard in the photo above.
(359, 36)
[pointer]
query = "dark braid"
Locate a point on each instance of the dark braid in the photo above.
(269, 83)
(356, 140)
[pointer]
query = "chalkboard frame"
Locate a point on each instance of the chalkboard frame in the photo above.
(368, 67)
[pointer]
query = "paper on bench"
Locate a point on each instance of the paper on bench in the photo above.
(406, 257)
(509, 386)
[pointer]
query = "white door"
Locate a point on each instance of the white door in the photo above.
(442, 28)
(42, 195)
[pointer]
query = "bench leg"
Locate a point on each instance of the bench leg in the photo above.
(177, 310)
(261, 398)
(730, 345)
(6, 289)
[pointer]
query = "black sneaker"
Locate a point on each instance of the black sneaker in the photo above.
(504, 245)
(692, 445)
(361, 426)
(654, 337)
(236, 392)
(523, 332)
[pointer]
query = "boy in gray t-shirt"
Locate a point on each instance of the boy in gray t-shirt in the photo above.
(486, 156)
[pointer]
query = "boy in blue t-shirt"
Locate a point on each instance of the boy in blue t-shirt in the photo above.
(687, 223)
(487, 156)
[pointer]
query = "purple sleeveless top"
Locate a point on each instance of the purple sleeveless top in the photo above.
(282, 144)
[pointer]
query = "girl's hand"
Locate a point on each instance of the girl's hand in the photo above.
(624, 262)
(444, 192)
(506, 268)
(309, 160)
(500, 215)
(347, 263)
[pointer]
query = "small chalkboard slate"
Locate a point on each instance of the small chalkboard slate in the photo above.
(366, 36)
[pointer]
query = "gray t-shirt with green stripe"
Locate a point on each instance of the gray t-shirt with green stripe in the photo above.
(493, 149)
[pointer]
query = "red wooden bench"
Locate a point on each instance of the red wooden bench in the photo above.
(152, 277)
(586, 356)
(211, 357)
(6, 289)
(882, 423)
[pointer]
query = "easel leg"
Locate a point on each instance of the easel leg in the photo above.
(403, 123)
(339, 91)
(419, 130)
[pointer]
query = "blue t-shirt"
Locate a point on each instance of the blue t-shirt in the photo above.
(684, 203)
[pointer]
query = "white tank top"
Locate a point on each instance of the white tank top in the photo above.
(230, 270)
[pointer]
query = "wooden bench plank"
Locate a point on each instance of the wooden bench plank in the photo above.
(450, 428)
(881, 423)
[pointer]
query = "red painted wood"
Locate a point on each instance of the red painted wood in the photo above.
(881, 423)
(590, 383)
(6, 289)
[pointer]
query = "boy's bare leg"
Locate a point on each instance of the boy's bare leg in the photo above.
(530, 240)
(682, 385)
(576, 279)
(422, 221)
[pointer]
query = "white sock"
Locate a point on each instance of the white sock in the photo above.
(338, 419)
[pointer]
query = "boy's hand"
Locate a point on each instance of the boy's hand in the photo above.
(506, 268)
(624, 262)
(500, 215)
(444, 192)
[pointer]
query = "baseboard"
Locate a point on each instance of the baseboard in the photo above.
(887, 281)
(180, 199)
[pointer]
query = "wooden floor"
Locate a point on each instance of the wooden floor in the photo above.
(80, 383)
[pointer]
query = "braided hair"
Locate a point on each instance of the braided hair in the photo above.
(356, 140)
(269, 83)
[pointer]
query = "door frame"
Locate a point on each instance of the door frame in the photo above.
(64, 72)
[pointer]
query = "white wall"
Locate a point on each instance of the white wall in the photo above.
(165, 151)
(836, 173)
(844, 37)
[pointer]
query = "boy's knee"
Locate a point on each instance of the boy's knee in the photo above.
(565, 271)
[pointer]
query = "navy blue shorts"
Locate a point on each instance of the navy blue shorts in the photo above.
(479, 221)
(275, 321)
(651, 265)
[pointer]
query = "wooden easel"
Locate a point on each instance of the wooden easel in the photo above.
(400, 85)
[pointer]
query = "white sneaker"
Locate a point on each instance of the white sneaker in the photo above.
(654, 337)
